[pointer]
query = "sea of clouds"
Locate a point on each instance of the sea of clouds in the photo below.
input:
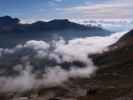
(54, 58)
(114, 25)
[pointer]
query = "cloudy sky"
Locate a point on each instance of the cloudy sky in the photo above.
(73, 9)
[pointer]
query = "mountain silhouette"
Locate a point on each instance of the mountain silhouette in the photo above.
(9, 24)
(13, 32)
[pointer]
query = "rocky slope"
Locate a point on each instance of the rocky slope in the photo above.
(116, 70)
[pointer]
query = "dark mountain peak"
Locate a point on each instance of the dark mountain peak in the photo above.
(7, 20)
(52, 22)
(38, 23)
(127, 39)
(59, 20)
(58, 24)
(15, 32)
(129, 34)
(13, 25)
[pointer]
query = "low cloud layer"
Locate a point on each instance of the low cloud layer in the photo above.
(38, 63)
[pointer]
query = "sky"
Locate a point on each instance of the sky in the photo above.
(31, 10)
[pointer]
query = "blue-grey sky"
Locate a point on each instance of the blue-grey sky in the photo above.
(32, 10)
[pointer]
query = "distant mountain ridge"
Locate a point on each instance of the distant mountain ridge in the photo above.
(13, 32)
(9, 24)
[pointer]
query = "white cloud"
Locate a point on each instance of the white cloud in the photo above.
(108, 9)
(37, 45)
(73, 50)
